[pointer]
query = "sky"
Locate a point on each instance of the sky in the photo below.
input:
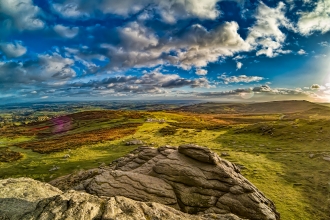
(218, 50)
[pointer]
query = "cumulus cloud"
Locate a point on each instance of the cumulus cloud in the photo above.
(21, 14)
(239, 57)
(66, 32)
(46, 68)
(266, 32)
(201, 72)
(317, 87)
(263, 88)
(137, 37)
(169, 11)
(12, 50)
(200, 46)
(144, 34)
(240, 79)
(56, 66)
(154, 82)
(301, 52)
(196, 47)
(260, 93)
(239, 65)
(316, 20)
(324, 44)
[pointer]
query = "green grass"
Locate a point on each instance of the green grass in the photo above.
(37, 166)
(267, 176)
(278, 164)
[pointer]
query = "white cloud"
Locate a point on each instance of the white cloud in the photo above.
(240, 79)
(46, 68)
(291, 3)
(66, 31)
(174, 10)
(316, 20)
(301, 52)
(12, 50)
(55, 66)
(154, 82)
(201, 72)
(317, 87)
(239, 65)
(261, 93)
(21, 14)
(307, 1)
(197, 47)
(239, 57)
(324, 44)
(170, 11)
(266, 31)
(137, 37)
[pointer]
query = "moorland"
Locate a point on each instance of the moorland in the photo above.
(281, 147)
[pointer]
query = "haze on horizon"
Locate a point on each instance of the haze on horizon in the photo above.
(222, 50)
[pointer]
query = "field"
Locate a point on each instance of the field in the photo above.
(285, 153)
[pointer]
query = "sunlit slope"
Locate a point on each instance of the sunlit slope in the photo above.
(286, 158)
(277, 107)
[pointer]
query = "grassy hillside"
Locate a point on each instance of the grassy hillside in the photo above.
(276, 107)
(287, 158)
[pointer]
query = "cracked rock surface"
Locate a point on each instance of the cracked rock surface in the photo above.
(27, 199)
(191, 179)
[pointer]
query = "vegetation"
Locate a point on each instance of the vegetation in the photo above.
(169, 130)
(7, 155)
(72, 141)
(287, 158)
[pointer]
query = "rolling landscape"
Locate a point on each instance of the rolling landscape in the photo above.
(164, 110)
(284, 152)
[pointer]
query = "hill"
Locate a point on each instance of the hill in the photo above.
(253, 108)
(287, 158)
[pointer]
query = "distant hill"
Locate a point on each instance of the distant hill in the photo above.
(255, 108)
(318, 110)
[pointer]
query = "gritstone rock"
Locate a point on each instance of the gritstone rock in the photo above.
(190, 178)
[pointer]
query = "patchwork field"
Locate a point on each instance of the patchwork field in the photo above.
(285, 154)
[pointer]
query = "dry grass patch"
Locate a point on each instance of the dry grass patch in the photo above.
(71, 141)
(7, 155)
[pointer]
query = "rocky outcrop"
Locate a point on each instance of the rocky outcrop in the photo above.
(27, 199)
(190, 178)
(19, 196)
(134, 142)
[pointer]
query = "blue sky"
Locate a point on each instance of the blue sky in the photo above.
(239, 50)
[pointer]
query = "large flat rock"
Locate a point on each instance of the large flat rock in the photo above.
(22, 195)
(42, 201)
(191, 178)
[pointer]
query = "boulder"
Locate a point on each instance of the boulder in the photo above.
(18, 201)
(22, 195)
(134, 142)
(326, 158)
(191, 178)
(202, 154)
